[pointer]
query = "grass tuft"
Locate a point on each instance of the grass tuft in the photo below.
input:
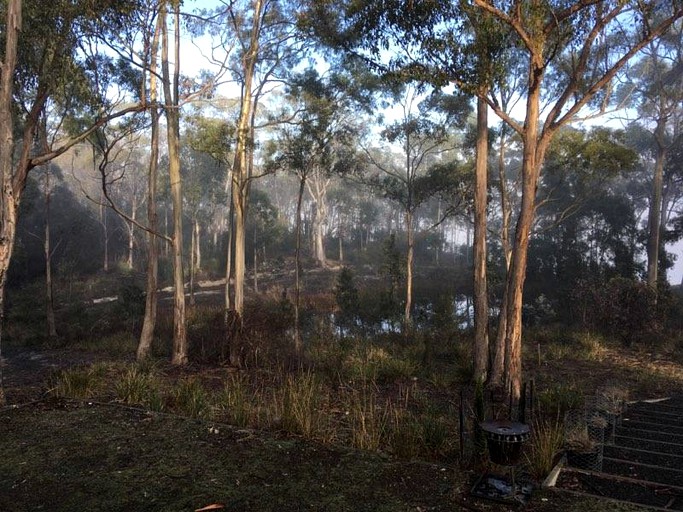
(546, 443)
(191, 399)
(76, 383)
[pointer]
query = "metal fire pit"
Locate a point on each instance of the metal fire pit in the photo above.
(505, 440)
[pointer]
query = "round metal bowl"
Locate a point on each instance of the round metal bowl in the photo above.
(505, 440)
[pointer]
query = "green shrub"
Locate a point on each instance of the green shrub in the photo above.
(346, 296)
(559, 398)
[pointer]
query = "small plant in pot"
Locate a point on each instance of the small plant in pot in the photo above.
(583, 451)
(612, 403)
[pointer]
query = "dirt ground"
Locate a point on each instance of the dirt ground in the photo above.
(67, 455)
(63, 455)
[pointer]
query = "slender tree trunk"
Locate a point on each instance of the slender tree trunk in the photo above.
(105, 234)
(198, 246)
(193, 262)
(241, 167)
(228, 255)
(654, 216)
(131, 232)
(47, 250)
(498, 365)
(180, 348)
(255, 263)
(49, 296)
(481, 307)
(150, 318)
(298, 342)
(318, 234)
(407, 314)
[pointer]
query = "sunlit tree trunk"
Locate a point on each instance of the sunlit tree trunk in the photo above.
(481, 307)
(131, 230)
(150, 318)
(228, 250)
(180, 348)
(533, 155)
(498, 363)
(8, 208)
(410, 234)
(241, 167)
(654, 216)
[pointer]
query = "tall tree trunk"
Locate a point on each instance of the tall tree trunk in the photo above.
(198, 246)
(318, 233)
(407, 314)
(298, 342)
(654, 216)
(131, 232)
(49, 296)
(498, 364)
(228, 251)
(150, 318)
(193, 262)
(180, 348)
(241, 167)
(481, 307)
(47, 250)
(533, 155)
(105, 233)
(8, 208)
(255, 263)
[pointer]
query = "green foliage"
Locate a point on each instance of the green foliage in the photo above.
(76, 383)
(138, 386)
(191, 399)
(346, 295)
(622, 308)
(369, 421)
(302, 396)
(541, 453)
(131, 301)
(234, 403)
(559, 398)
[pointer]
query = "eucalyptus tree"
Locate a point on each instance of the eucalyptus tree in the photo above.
(573, 52)
(45, 58)
(204, 187)
(417, 171)
(655, 88)
(259, 45)
(313, 147)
